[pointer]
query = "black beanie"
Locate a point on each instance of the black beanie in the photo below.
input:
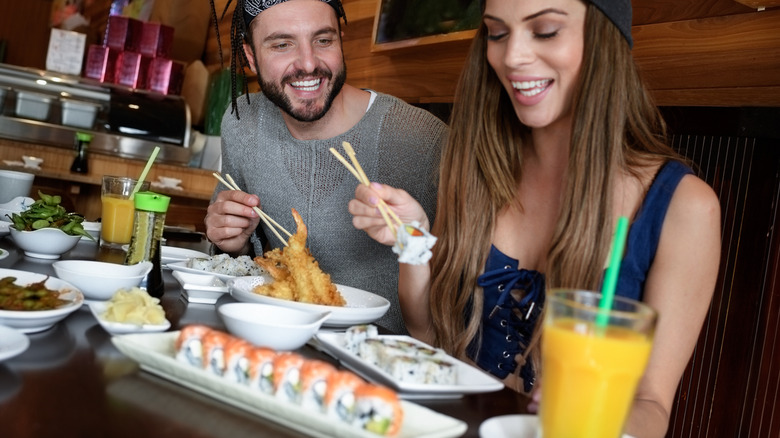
(619, 12)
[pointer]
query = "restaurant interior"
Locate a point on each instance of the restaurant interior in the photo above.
(713, 67)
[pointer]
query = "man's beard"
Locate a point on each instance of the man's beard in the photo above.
(309, 112)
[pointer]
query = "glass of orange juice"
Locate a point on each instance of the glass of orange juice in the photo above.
(591, 364)
(118, 209)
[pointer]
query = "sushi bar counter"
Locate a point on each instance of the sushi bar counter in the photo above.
(83, 190)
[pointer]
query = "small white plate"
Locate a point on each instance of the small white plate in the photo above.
(12, 342)
(470, 379)
(362, 307)
(3, 253)
(201, 289)
(172, 254)
(512, 426)
(115, 328)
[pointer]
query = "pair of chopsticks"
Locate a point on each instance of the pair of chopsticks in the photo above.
(356, 170)
(231, 184)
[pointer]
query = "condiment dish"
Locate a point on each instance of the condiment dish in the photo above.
(100, 280)
(270, 326)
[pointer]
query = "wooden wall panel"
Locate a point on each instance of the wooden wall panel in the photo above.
(700, 57)
(25, 27)
(730, 387)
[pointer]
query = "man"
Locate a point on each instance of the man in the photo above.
(278, 150)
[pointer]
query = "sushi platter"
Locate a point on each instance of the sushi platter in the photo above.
(155, 352)
(469, 380)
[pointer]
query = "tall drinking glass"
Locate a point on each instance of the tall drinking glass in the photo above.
(590, 371)
(118, 209)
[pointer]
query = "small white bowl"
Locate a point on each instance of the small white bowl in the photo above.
(101, 280)
(98, 308)
(274, 327)
(46, 243)
(16, 205)
(93, 229)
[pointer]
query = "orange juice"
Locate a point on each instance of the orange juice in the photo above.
(117, 222)
(589, 379)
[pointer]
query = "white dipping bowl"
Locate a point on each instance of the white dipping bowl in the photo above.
(46, 243)
(266, 325)
(100, 280)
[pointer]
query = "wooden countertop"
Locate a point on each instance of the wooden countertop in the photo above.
(196, 183)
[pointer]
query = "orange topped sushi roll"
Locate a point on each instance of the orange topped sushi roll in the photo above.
(314, 375)
(377, 409)
(340, 395)
(237, 360)
(261, 369)
(189, 344)
(214, 343)
(287, 376)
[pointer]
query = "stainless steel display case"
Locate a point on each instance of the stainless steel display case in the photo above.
(126, 122)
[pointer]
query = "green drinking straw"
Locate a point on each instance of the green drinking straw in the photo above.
(145, 171)
(610, 280)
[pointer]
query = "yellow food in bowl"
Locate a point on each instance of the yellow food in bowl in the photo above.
(134, 306)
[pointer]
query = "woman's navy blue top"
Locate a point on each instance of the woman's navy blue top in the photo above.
(505, 334)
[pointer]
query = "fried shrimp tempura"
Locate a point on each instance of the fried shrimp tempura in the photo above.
(297, 275)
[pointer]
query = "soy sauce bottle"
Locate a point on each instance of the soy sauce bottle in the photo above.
(80, 164)
(150, 209)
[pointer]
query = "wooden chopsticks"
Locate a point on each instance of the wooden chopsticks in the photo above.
(231, 184)
(356, 170)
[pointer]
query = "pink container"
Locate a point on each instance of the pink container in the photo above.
(156, 40)
(123, 33)
(101, 62)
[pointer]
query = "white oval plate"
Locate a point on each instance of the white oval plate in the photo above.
(115, 328)
(512, 426)
(12, 342)
(362, 307)
(182, 267)
(3, 253)
(471, 380)
(30, 321)
(172, 254)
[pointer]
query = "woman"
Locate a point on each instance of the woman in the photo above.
(553, 137)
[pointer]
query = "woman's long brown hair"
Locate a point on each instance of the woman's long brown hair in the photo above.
(616, 128)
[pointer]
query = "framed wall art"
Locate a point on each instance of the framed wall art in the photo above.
(409, 23)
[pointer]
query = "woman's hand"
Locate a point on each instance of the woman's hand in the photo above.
(367, 217)
(230, 220)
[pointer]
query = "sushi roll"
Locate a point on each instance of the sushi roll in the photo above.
(357, 334)
(418, 369)
(340, 395)
(189, 344)
(261, 369)
(287, 376)
(237, 360)
(377, 409)
(314, 375)
(413, 244)
(214, 344)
